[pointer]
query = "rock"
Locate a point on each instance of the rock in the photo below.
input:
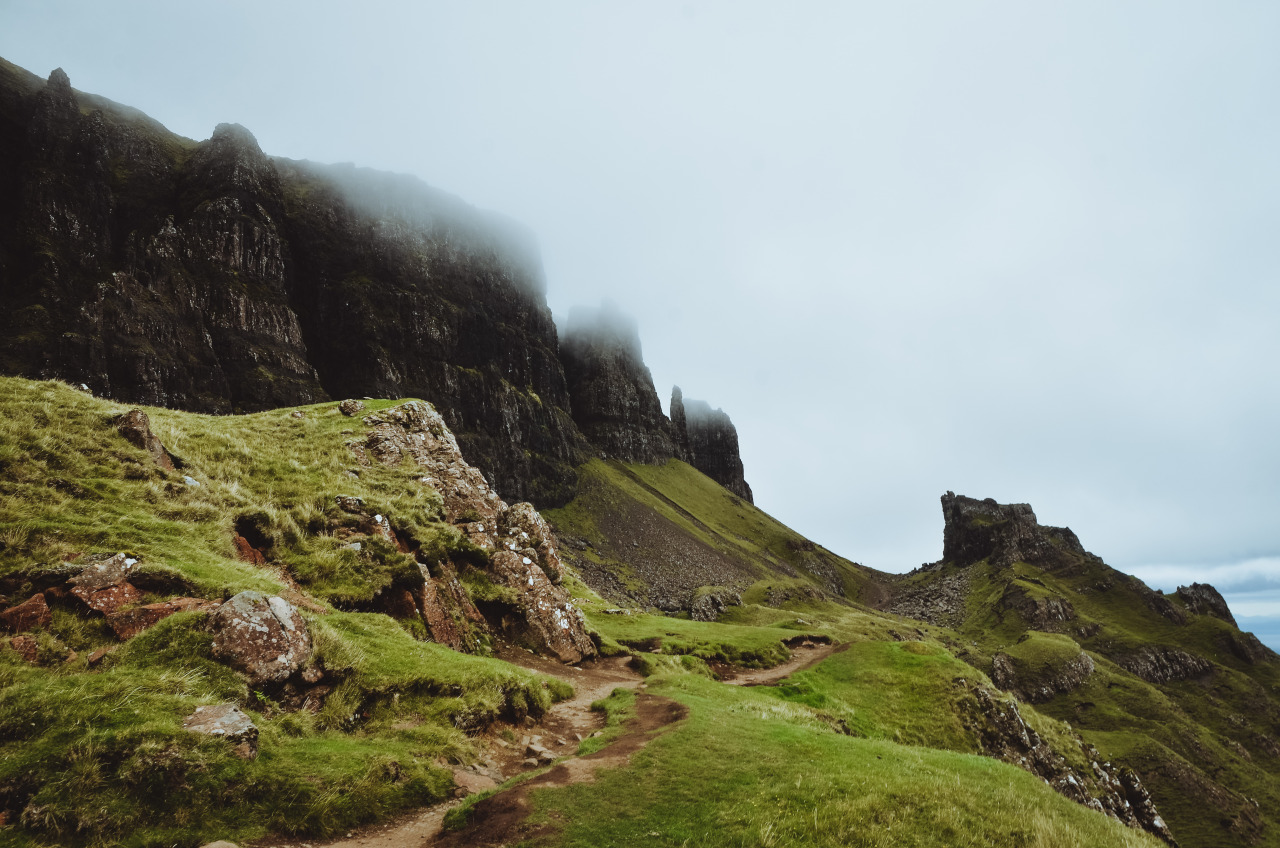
(191, 481)
(99, 655)
(26, 647)
(136, 428)
(28, 615)
(104, 586)
(713, 443)
(1162, 664)
(226, 721)
(1045, 612)
(262, 636)
(1248, 647)
(551, 621)
(223, 844)
(1203, 599)
(1042, 687)
(1003, 534)
(245, 552)
(127, 623)
(523, 520)
(707, 606)
(351, 407)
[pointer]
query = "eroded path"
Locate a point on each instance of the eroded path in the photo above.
(501, 819)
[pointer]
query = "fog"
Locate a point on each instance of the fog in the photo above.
(1021, 251)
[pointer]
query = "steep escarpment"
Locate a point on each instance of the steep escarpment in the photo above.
(711, 441)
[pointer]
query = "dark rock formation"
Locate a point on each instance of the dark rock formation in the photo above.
(712, 442)
(136, 428)
(1204, 599)
(1042, 687)
(1003, 534)
(1161, 664)
(1248, 647)
(127, 623)
(28, 615)
(610, 388)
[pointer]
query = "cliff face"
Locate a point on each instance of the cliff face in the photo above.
(711, 442)
(1003, 533)
(611, 390)
(209, 277)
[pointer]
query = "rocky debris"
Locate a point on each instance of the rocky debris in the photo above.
(1069, 676)
(26, 647)
(523, 555)
(351, 407)
(1162, 664)
(707, 606)
(104, 586)
(28, 615)
(1004, 534)
(135, 426)
(1203, 599)
(712, 443)
(940, 602)
(1108, 789)
(1248, 647)
(1048, 613)
(129, 622)
(226, 721)
(262, 636)
(611, 391)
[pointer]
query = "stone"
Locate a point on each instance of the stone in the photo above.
(127, 623)
(1248, 647)
(136, 428)
(262, 636)
(246, 552)
(104, 586)
(1203, 599)
(226, 721)
(28, 615)
(351, 407)
(26, 647)
(707, 606)
(99, 655)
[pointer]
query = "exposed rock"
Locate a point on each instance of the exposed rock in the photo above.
(136, 428)
(1041, 687)
(1047, 613)
(129, 622)
(26, 647)
(246, 552)
(1161, 664)
(939, 602)
(524, 555)
(1248, 647)
(1204, 599)
(28, 615)
(1158, 603)
(1006, 736)
(226, 721)
(350, 407)
(262, 636)
(707, 606)
(104, 586)
(611, 390)
(1004, 534)
(713, 444)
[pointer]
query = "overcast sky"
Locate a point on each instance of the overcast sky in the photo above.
(1014, 250)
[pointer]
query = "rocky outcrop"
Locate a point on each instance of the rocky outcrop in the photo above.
(610, 388)
(1036, 689)
(1162, 664)
(1203, 599)
(1248, 647)
(1004, 534)
(711, 441)
(1118, 792)
(521, 551)
(707, 605)
(226, 721)
(262, 636)
(135, 426)
(1041, 611)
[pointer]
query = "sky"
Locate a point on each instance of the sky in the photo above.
(1011, 250)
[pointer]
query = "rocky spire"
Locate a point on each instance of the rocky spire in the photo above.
(711, 442)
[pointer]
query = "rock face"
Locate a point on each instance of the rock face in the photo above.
(1204, 599)
(611, 391)
(521, 549)
(262, 636)
(136, 428)
(1003, 534)
(711, 441)
(1161, 664)
(1069, 676)
(1117, 792)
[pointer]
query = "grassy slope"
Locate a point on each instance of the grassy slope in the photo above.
(85, 752)
(1206, 748)
(673, 508)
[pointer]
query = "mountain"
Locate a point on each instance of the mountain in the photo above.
(429, 543)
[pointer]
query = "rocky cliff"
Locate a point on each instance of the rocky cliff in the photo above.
(1002, 533)
(208, 276)
(711, 441)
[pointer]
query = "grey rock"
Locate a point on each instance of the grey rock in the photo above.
(262, 636)
(226, 721)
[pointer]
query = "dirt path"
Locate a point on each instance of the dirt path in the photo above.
(501, 818)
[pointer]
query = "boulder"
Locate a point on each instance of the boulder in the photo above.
(351, 407)
(127, 623)
(104, 586)
(28, 615)
(136, 428)
(707, 606)
(263, 636)
(26, 647)
(551, 621)
(226, 721)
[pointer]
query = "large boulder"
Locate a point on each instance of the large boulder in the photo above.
(263, 636)
(104, 586)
